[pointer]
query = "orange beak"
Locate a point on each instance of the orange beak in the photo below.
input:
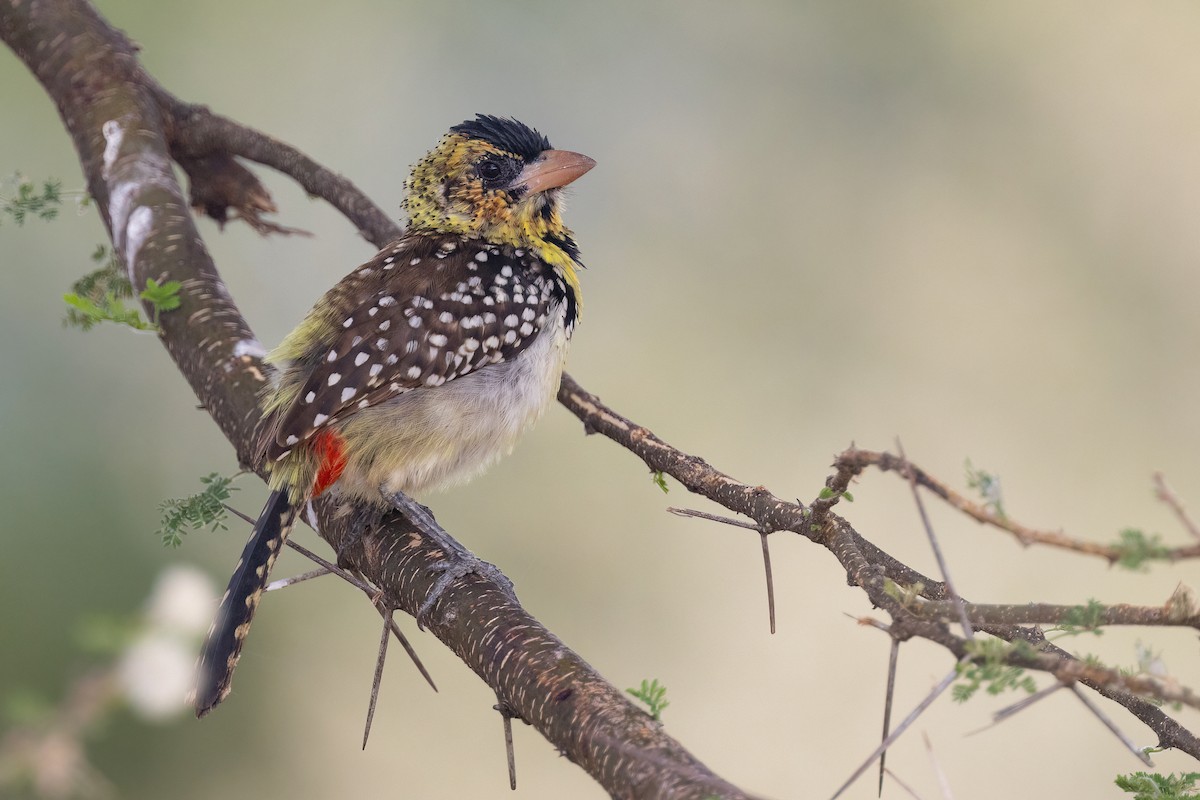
(553, 169)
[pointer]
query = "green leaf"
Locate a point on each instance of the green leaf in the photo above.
(988, 487)
(207, 507)
(86, 313)
(1154, 786)
(989, 671)
(30, 202)
(654, 695)
(1134, 548)
(1083, 619)
(100, 296)
(164, 297)
(660, 480)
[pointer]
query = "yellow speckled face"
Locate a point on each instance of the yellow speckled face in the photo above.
(448, 191)
(499, 180)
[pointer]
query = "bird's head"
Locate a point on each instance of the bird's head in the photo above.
(497, 179)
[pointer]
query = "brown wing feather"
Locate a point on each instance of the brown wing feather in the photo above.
(418, 315)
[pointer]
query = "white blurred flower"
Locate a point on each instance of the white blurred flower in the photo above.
(182, 601)
(155, 674)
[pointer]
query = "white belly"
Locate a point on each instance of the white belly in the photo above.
(430, 439)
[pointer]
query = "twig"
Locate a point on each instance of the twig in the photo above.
(856, 460)
(283, 583)
(1164, 493)
(866, 564)
(943, 567)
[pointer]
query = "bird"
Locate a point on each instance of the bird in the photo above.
(423, 366)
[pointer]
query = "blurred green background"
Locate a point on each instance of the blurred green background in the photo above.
(972, 226)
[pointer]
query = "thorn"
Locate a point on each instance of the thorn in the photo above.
(955, 598)
(408, 648)
(766, 550)
(903, 785)
(376, 600)
(691, 512)
(754, 526)
(383, 643)
(1112, 726)
(285, 582)
(506, 715)
(934, 694)
(887, 706)
(1020, 705)
(334, 568)
(360, 584)
(937, 769)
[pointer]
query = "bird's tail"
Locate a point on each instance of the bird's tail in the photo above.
(223, 646)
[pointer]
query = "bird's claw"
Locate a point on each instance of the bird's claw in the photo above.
(458, 566)
(458, 562)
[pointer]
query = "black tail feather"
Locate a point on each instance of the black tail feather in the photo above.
(223, 647)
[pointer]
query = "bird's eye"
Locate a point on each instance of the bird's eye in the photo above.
(496, 172)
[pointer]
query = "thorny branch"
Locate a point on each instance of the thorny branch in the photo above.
(128, 129)
(871, 568)
(854, 461)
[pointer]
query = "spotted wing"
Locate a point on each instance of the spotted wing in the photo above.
(418, 316)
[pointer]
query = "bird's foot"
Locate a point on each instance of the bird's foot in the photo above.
(459, 561)
(366, 518)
